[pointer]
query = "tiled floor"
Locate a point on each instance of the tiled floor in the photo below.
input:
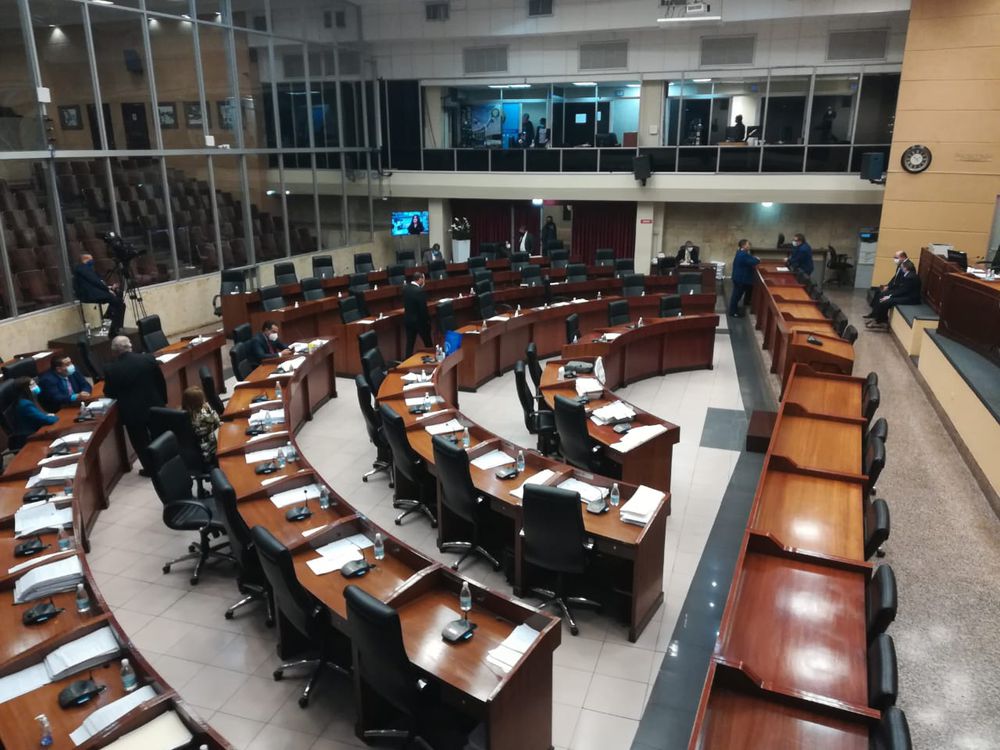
(223, 667)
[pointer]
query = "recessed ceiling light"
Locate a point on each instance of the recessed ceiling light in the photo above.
(766, 204)
(584, 83)
(681, 19)
(701, 80)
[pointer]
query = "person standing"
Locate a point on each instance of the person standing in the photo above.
(61, 385)
(743, 265)
(542, 134)
(89, 287)
(549, 232)
(265, 344)
(801, 257)
(416, 318)
(527, 242)
(739, 130)
(136, 382)
(527, 132)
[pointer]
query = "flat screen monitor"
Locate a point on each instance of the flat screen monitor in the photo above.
(960, 259)
(410, 222)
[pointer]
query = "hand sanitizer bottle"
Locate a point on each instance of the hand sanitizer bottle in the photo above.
(46, 730)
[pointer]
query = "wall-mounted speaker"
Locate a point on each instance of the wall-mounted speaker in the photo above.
(872, 166)
(133, 63)
(642, 167)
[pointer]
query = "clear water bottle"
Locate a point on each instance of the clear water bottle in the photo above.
(465, 600)
(82, 599)
(65, 540)
(616, 495)
(379, 546)
(466, 438)
(427, 401)
(472, 291)
(83, 411)
(296, 304)
(598, 294)
(45, 730)
(324, 497)
(638, 323)
(277, 390)
(483, 328)
(129, 681)
(520, 462)
(267, 420)
(291, 455)
(517, 312)
(439, 354)
(280, 459)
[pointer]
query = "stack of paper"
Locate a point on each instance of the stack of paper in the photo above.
(637, 436)
(277, 416)
(266, 436)
(416, 377)
(109, 714)
(616, 411)
(781, 268)
(165, 732)
(588, 492)
(298, 495)
(268, 454)
(36, 559)
(53, 475)
(291, 365)
(540, 478)
(262, 404)
(46, 580)
(599, 370)
(198, 340)
(492, 460)
(508, 653)
(452, 425)
(418, 400)
(99, 405)
(499, 317)
(610, 336)
(334, 555)
(417, 386)
(298, 346)
(588, 387)
(40, 355)
(641, 506)
(73, 440)
(44, 516)
(164, 358)
(578, 301)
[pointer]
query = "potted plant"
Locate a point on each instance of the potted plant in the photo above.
(461, 234)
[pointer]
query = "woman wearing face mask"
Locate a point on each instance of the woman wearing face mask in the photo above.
(266, 344)
(28, 415)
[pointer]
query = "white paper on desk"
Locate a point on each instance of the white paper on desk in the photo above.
(366, 321)
(610, 336)
(781, 268)
(34, 517)
(587, 492)
(322, 565)
(40, 355)
(74, 438)
(262, 404)
(35, 560)
(492, 460)
(499, 318)
(415, 377)
(444, 428)
(52, 475)
(309, 532)
(99, 405)
(267, 436)
(82, 653)
(277, 416)
(417, 386)
(637, 436)
(165, 732)
(198, 340)
(297, 495)
(332, 556)
(107, 715)
(640, 507)
(611, 412)
(578, 300)
(540, 478)
(65, 457)
(19, 683)
(513, 647)
(164, 358)
(428, 414)
(298, 346)
(276, 376)
(418, 400)
(291, 365)
(268, 454)
(588, 385)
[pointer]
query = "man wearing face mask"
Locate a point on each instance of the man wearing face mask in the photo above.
(876, 292)
(62, 385)
(801, 257)
(89, 287)
(265, 345)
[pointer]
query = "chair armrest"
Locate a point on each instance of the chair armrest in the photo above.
(193, 505)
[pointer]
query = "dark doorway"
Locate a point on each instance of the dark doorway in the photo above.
(95, 133)
(136, 127)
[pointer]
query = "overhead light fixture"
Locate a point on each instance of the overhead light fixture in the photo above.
(633, 85)
(185, 16)
(701, 80)
(509, 86)
(584, 83)
(682, 19)
(766, 204)
(537, 201)
(102, 2)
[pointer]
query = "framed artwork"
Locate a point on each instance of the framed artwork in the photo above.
(227, 115)
(194, 117)
(168, 115)
(70, 117)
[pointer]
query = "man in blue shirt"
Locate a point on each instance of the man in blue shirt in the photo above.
(743, 265)
(801, 257)
(61, 385)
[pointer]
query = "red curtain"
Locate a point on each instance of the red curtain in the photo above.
(598, 224)
(526, 215)
(490, 220)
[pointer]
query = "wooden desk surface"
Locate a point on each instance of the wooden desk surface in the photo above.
(819, 444)
(836, 397)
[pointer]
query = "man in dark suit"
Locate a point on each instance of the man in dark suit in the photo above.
(136, 382)
(876, 292)
(61, 385)
(526, 243)
(90, 287)
(415, 315)
(688, 253)
(801, 257)
(905, 292)
(743, 265)
(549, 232)
(265, 344)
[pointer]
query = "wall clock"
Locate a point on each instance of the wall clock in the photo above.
(916, 159)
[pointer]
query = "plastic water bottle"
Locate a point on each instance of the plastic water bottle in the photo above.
(484, 326)
(83, 411)
(379, 546)
(598, 294)
(82, 599)
(280, 458)
(65, 540)
(616, 495)
(45, 728)
(277, 390)
(324, 497)
(517, 312)
(296, 304)
(638, 323)
(439, 353)
(466, 438)
(465, 600)
(472, 291)
(129, 681)
(520, 462)
(290, 452)
(427, 400)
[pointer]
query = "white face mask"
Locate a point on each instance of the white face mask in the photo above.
(897, 261)
(272, 336)
(795, 243)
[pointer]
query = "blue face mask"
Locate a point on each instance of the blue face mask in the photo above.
(70, 369)
(35, 389)
(90, 263)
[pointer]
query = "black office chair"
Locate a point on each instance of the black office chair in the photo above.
(538, 421)
(485, 307)
(689, 283)
(408, 465)
(633, 285)
(350, 310)
(531, 275)
(519, 261)
(231, 282)
(881, 601)
(572, 328)
(534, 366)
(358, 283)
(363, 263)
(92, 367)
(373, 369)
(396, 275)
(877, 527)
(605, 257)
(814, 292)
(826, 309)
(446, 320)
(618, 312)
(850, 334)
(300, 611)
(9, 395)
(250, 578)
(883, 673)
(879, 428)
(406, 258)
(670, 306)
(892, 732)
(242, 332)
(666, 265)
(624, 267)
(437, 270)
(271, 299)
(871, 380)
(182, 511)
(210, 390)
(177, 421)
(801, 276)
(459, 495)
(870, 400)
(839, 322)
(552, 245)
(559, 258)
(311, 289)
(554, 540)
(373, 424)
(874, 462)
(151, 333)
(242, 366)
(367, 341)
(322, 266)
(575, 443)
(576, 272)
(481, 276)
(476, 261)
(839, 264)
(284, 273)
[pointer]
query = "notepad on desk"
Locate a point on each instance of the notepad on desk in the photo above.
(540, 478)
(298, 495)
(164, 358)
(499, 318)
(417, 386)
(109, 714)
(277, 416)
(418, 400)
(588, 492)
(492, 460)
(40, 355)
(35, 560)
(641, 506)
(52, 475)
(444, 428)
(588, 386)
(49, 579)
(165, 732)
(513, 647)
(610, 336)
(36, 517)
(416, 377)
(637, 436)
(290, 365)
(73, 439)
(616, 411)
(268, 454)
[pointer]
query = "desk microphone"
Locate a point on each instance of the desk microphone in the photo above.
(79, 692)
(30, 547)
(41, 613)
(299, 512)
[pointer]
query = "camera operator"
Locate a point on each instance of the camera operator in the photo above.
(90, 287)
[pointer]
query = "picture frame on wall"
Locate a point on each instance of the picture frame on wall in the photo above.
(194, 117)
(70, 117)
(227, 114)
(168, 115)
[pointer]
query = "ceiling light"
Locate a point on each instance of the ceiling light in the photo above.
(633, 85)
(102, 2)
(537, 201)
(766, 204)
(584, 83)
(520, 86)
(701, 80)
(680, 19)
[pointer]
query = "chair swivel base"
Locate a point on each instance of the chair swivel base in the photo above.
(203, 553)
(318, 667)
(413, 506)
(467, 549)
(253, 593)
(563, 604)
(378, 467)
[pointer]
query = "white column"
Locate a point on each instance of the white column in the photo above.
(644, 250)
(439, 214)
(651, 113)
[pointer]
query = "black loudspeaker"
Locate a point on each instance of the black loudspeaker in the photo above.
(872, 165)
(133, 64)
(642, 167)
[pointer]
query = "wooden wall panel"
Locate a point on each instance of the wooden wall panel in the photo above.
(937, 215)
(960, 97)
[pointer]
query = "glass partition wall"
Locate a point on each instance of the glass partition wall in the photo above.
(175, 124)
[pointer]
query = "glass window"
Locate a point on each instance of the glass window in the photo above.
(20, 129)
(617, 114)
(695, 110)
(236, 250)
(179, 106)
(579, 114)
(191, 208)
(832, 109)
(479, 120)
(220, 100)
(302, 209)
(877, 108)
(737, 109)
(785, 109)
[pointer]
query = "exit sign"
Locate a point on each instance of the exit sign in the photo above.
(645, 221)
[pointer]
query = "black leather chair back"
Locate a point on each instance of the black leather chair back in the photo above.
(357, 283)
(176, 421)
(322, 266)
(553, 245)
(373, 423)
(210, 390)
(534, 367)
(574, 440)
(406, 258)
(451, 462)
(605, 257)
(879, 428)
(446, 317)
(238, 359)
(296, 605)
(91, 365)
(406, 461)
(396, 274)
(151, 333)
(881, 599)
(373, 369)
(519, 261)
(553, 529)
(531, 275)
(666, 264)
(485, 307)
(670, 306)
(437, 270)
(524, 394)
(366, 342)
(168, 471)
(242, 332)
(311, 289)
(271, 299)
(237, 531)
(618, 312)
(482, 276)
(633, 285)
(572, 328)
(839, 322)
(850, 334)
(883, 674)
(893, 731)
(380, 659)
(624, 266)
(363, 263)
(874, 461)
(558, 257)
(232, 282)
(870, 400)
(877, 526)
(576, 272)
(476, 261)
(814, 293)
(284, 273)
(689, 283)
(9, 395)
(350, 311)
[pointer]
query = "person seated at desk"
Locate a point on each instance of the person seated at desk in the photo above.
(28, 415)
(688, 253)
(62, 385)
(433, 253)
(880, 291)
(905, 292)
(204, 421)
(801, 257)
(266, 344)
(737, 132)
(89, 287)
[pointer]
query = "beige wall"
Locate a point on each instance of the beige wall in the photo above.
(949, 101)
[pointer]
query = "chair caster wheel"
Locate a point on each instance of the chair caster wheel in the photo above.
(454, 566)
(278, 674)
(193, 548)
(399, 522)
(497, 566)
(229, 615)
(269, 622)
(166, 568)
(303, 702)
(194, 581)
(391, 485)
(575, 631)
(434, 524)
(364, 479)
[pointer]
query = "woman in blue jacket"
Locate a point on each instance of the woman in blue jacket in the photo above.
(743, 265)
(28, 415)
